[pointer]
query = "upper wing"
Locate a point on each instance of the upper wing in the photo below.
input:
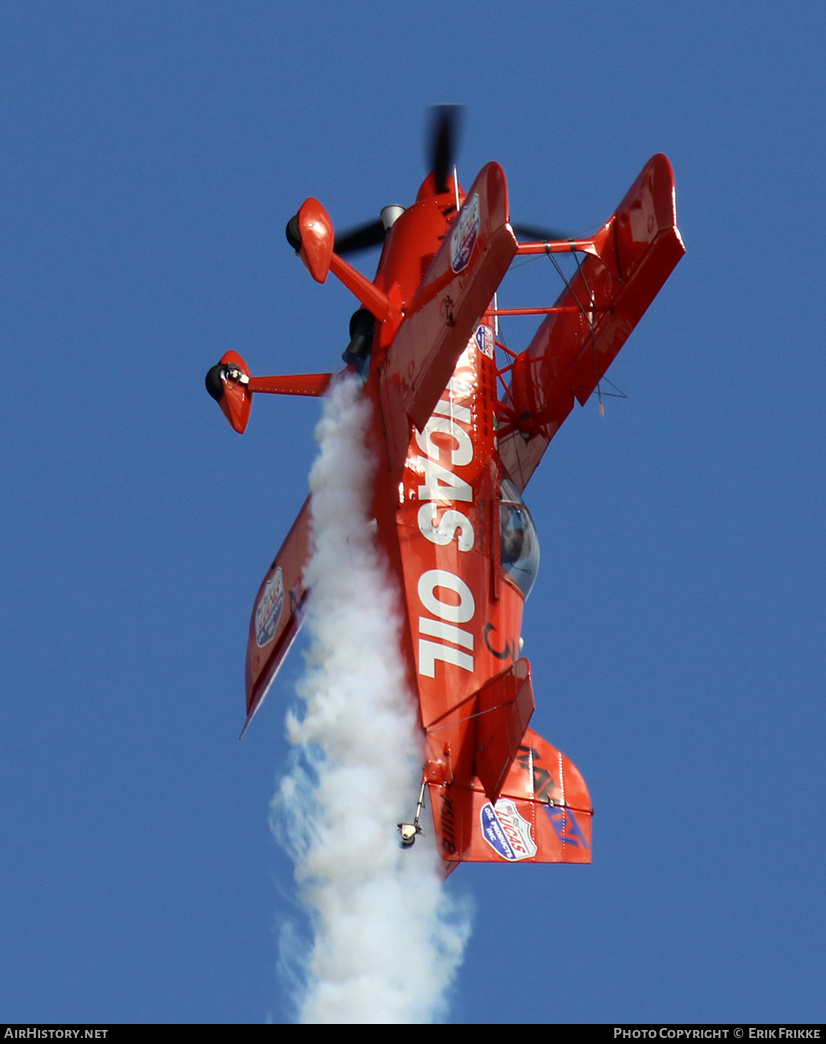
(637, 249)
(458, 288)
(278, 612)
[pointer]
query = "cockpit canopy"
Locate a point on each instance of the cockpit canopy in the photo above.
(518, 540)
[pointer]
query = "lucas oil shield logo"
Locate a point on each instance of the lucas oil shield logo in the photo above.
(268, 610)
(507, 833)
(463, 237)
(484, 340)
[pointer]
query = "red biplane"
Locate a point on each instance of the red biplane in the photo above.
(458, 431)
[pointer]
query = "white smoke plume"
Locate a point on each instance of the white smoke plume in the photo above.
(387, 940)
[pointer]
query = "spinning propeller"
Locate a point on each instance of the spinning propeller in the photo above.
(443, 135)
(445, 124)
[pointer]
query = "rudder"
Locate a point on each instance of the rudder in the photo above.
(543, 814)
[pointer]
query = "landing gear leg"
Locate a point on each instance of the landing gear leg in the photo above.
(409, 831)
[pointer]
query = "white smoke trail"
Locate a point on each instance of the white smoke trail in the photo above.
(387, 941)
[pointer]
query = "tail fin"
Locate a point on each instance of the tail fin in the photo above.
(543, 814)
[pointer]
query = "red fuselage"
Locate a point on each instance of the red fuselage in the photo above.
(452, 460)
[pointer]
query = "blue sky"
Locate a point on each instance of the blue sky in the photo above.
(153, 153)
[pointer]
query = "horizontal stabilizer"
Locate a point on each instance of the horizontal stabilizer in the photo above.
(543, 814)
(504, 707)
(278, 612)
